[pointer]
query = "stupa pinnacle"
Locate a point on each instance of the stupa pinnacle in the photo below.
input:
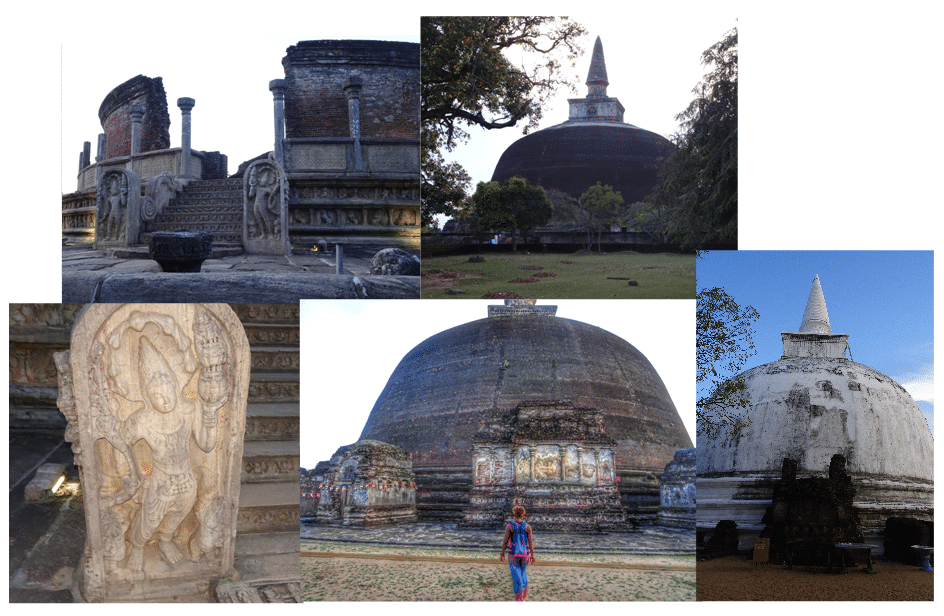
(815, 317)
(596, 106)
(596, 77)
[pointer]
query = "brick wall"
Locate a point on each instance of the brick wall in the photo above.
(315, 102)
(115, 116)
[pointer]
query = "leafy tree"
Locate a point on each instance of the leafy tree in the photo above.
(724, 342)
(444, 187)
(468, 79)
(602, 206)
(699, 184)
(513, 204)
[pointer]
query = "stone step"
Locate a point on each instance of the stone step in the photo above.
(273, 387)
(269, 461)
(272, 422)
(268, 507)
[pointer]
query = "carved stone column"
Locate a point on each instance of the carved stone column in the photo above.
(137, 115)
(531, 449)
(156, 395)
(278, 87)
(352, 88)
(185, 104)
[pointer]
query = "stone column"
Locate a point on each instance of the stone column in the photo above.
(185, 104)
(579, 464)
(532, 449)
(561, 453)
(352, 88)
(278, 87)
(137, 114)
(86, 159)
(100, 152)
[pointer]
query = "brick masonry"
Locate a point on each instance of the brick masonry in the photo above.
(115, 116)
(315, 102)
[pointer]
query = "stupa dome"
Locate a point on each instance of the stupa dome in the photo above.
(593, 145)
(807, 406)
(437, 398)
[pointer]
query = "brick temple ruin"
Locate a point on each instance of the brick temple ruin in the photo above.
(344, 168)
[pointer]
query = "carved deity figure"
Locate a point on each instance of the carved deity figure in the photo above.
(115, 205)
(265, 195)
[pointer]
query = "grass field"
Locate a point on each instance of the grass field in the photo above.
(374, 573)
(580, 275)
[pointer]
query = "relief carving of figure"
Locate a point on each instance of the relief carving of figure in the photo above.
(114, 205)
(265, 195)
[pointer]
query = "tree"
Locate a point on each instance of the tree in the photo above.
(699, 181)
(602, 206)
(724, 342)
(513, 204)
(444, 187)
(468, 79)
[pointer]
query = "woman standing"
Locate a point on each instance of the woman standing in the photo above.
(520, 548)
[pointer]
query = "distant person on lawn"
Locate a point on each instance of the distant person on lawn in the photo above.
(520, 548)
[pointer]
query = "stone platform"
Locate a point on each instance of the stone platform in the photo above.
(100, 276)
(648, 539)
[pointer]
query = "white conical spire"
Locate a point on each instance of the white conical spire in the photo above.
(815, 317)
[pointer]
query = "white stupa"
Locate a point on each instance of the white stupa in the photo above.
(811, 404)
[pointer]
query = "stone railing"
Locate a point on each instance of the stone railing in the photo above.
(146, 165)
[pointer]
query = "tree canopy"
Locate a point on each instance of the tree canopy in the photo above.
(514, 204)
(468, 79)
(699, 182)
(724, 342)
(603, 206)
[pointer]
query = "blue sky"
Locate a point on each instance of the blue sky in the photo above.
(882, 299)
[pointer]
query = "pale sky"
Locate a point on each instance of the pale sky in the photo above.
(350, 349)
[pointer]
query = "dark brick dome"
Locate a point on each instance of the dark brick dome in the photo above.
(440, 392)
(572, 157)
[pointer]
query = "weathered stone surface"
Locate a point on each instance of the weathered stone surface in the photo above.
(366, 484)
(552, 458)
(265, 209)
(434, 401)
(395, 262)
(157, 415)
(118, 208)
(250, 287)
(46, 478)
(677, 490)
(808, 515)
(180, 251)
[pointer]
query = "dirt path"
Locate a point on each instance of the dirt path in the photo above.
(382, 574)
(734, 579)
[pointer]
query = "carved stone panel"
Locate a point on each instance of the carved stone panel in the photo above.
(118, 208)
(265, 209)
(157, 416)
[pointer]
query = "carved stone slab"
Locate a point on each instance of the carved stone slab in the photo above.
(265, 209)
(118, 208)
(157, 417)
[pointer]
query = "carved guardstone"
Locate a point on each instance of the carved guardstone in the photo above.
(265, 209)
(118, 209)
(157, 413)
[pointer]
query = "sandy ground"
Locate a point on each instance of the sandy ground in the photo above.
(734, 579)
(368, 573)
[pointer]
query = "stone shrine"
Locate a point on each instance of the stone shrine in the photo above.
(155, 396)
(368, 483)
(435, 401)
(677, 503)
(808, 406)
(344, 167)
(552, 458)
(593, 145)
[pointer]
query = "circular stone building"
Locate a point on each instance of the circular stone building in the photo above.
(811, 404)
(450, 387)
(593, 145)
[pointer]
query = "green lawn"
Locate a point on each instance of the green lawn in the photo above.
(580, 275)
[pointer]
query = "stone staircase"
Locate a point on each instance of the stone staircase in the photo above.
(268, 519)
(215, 206)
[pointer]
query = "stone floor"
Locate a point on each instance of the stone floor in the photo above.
(47, 539)
(648, 539)
(97, 275)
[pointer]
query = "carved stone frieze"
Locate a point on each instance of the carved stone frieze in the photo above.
(259, 592)
(157, 415)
